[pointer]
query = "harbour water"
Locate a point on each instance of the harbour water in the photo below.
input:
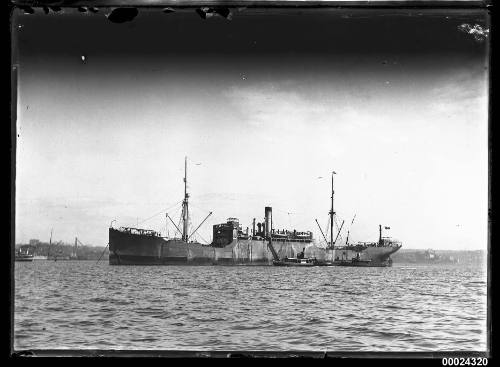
(84, 305)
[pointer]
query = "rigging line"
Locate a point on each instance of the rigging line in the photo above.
(102, 254)
(338, 231)
(198, 207)
(176, 226)
(179, 224)
(327, 227)
(202, 238)
(200, 225)
(180, 219)
(353, 219)
(160, 212)
(172, 222)
(336, 223)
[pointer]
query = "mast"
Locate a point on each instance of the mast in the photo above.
(332, 213)
(185, 208)
(50, 243)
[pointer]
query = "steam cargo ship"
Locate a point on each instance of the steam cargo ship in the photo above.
(231, 245)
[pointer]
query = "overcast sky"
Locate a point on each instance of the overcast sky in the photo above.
(263, 106)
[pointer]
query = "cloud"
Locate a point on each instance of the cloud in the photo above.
(268, 105)
(461, 94)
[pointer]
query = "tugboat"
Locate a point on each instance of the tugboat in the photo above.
(299, 260)
(290, 261)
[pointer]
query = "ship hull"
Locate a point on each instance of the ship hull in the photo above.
(370, 256)
(25, 259)
(135, 249)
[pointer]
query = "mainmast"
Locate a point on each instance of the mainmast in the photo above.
(332, 213)
(185, 208)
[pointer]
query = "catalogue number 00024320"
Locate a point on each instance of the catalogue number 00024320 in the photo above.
(467, 361)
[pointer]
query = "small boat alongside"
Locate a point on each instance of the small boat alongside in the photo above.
(294, 261)
(298, 260)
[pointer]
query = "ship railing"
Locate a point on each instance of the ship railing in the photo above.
(132, 230)
(291, 239)
(366, 244)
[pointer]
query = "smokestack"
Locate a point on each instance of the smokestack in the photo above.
(380, 233)
(253, 227)
(268, 213)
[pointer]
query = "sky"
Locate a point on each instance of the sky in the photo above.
(265, 106)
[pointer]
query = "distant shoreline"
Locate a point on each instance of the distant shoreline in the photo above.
(408, 256)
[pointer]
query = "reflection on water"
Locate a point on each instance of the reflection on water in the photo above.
(81, 305)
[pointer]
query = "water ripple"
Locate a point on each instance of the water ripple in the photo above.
(77, 304)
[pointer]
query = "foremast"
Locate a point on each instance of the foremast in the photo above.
(185, 211)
